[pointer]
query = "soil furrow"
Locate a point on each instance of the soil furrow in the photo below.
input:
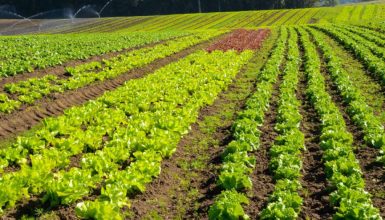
(374, 175)
(315, 194)
(262, 178)
(24, 119)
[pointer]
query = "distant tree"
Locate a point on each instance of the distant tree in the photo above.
(149, 7)
(331, 2)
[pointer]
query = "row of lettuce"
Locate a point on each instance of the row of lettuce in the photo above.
(361, 46)
(359, 111)
(342, 169)
(113, 146)
(237, 166)
(25, 53)
(121, 64)
(28, 91)
(286, 154)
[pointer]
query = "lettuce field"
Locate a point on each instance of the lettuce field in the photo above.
(275, 114)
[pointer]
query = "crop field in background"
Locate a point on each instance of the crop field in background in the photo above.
(207, 21)
(275, 114)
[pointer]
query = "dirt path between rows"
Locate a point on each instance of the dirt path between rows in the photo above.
(262, 178)
(22, 120)
(315, 194)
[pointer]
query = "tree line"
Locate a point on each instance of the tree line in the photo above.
(151, 7)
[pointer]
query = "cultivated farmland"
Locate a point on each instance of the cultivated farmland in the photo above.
(275, 114)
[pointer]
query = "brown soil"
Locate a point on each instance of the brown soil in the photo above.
(24, 119)
(263, 183)
(373, 173)
(24, 208)
(66, 212)
(34, 204)
(315, 194)
(262, 178)
(11, 168)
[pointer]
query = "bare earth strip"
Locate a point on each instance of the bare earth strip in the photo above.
(315, 194)
(263, 183)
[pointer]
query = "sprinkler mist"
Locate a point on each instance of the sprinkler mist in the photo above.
(88, 8)
(105, 6)
(35, 16)
(13, 15)
(39, 21)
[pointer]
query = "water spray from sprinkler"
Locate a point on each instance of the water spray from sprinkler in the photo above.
(105, 6)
